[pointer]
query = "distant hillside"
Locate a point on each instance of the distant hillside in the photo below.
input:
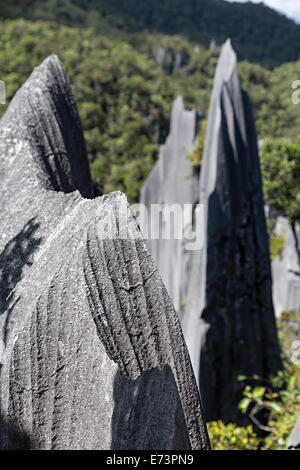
(258, 33)
(125, 89)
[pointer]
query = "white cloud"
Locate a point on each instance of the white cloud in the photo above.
(289, 7)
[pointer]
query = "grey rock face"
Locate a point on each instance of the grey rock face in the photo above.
(169, 61)
(294, 440)
(92, 355)
(286, 271)
(228, 318)
(172, 182)
(229, 324)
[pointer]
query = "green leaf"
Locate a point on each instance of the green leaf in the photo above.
(291, 383)
(258, 392)
(241, 378)
(275, 407)
(244, 404)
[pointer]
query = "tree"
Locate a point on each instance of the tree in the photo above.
(280, 161)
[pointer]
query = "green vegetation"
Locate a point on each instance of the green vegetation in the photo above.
(283, 407)
(125, 97)
(196, 155)
(280, 399)
(277, 243)
(232, 437)
(280, 161)
(258, 33)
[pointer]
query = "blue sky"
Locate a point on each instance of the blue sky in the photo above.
(290, 8)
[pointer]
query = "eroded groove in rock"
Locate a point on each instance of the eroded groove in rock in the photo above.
(85, 320)
(44, 115)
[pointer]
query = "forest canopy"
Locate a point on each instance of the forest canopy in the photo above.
(124, 93)
(258, 33)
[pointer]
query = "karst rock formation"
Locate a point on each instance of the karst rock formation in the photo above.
(229, 323)
(286, 271)
(92, 354)
(171, 184)
(228, 318)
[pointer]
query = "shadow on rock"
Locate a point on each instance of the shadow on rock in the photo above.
(17, 254)
(12, 437)
(148, 413)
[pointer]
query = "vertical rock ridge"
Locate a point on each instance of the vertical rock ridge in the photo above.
(46, 115)
(173, 181)
(231, 280)
(222, 293)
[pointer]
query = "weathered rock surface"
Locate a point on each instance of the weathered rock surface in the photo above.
(92, 355)
(286, 271)
(294, 440)
(169, 60)
(229, 323)
(172, 183)
(228, 318)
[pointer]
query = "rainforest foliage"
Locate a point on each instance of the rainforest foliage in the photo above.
(280, 162)
(259, 33)
(125, 89)
(280, 398)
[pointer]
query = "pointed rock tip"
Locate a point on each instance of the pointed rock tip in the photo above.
(227, 60)
(177, 109)
(52, 59)
(51, 65)
(178, 105)
(228, 46)
(179, 101)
